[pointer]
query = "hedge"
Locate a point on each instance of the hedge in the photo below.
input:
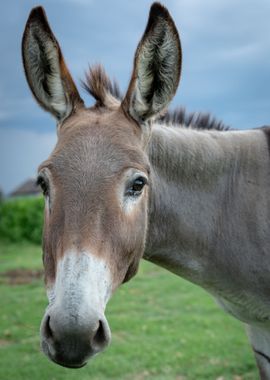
(22, 219)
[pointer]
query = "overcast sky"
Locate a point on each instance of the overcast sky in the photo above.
(226, 64)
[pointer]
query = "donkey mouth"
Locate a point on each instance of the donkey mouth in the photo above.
(59, 359)
(70, 366)
(67, 365)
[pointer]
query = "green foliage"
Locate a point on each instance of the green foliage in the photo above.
(22, 219)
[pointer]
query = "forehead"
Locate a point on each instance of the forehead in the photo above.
(97, 141)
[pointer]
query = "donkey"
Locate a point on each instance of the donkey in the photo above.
(122, 184)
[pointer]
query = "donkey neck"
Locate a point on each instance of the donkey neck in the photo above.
(195, 175)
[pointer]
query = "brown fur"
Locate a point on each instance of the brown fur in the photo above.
(84, 210)
(98, 84)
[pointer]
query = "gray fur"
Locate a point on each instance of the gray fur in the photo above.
(210, 218)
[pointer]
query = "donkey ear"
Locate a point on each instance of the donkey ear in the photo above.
(157, 67)
(45, 68)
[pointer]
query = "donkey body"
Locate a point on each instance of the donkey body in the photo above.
(120, 186)
(209, 219)
(209, 214)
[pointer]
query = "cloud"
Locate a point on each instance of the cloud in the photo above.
(21, 151)
(84, 3)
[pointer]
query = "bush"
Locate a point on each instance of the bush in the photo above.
(22, 219)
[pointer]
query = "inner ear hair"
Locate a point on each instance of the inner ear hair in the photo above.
(46, 72)
(157, 66)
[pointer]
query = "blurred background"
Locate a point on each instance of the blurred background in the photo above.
(163, 328)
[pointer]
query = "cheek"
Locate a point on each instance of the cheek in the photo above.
(51, 242)
(47, 207)
(136, 222)
(47, 257)
(49, 268)
(135, 209)
(129, 240)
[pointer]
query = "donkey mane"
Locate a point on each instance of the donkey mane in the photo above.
(98, 84)
(195, 120)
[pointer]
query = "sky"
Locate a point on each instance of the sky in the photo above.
(226, 65)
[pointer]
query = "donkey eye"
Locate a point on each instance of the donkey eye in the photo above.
(43, 184)
(136, 187)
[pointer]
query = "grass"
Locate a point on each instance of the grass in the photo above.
(163, 328)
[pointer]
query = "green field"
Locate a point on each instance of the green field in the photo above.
(162, 328)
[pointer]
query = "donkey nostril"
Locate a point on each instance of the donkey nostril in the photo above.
(47, 328)
(100, 339)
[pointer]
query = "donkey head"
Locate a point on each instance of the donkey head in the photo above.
(96, 181)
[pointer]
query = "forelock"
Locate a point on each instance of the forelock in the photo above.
(98, 84)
